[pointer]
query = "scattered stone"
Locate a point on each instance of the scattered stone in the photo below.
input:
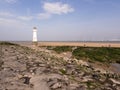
(73, 86)
(81, 62)
(27, 80)
(23, 68)
(56, 85)
(115, 81)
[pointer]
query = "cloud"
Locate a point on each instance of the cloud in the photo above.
(13, 29)
(57, 8)
(11, 1)
(6, 14)
(54, 8)
(25, 18)
(8, 23)
(43, 16)
(6, 20)
(10, 15)
(49, 9)
(89, 0)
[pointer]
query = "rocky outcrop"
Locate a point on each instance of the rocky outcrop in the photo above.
(22, 68)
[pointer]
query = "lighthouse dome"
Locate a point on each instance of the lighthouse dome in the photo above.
(34, 29)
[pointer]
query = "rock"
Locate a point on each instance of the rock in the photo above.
(86, 78)
(40, 70)
(51, 82)
(73, 86)
(15, 65)
(26, 80)
(47, 70)
(56, 85)
(66, 78)
(117, 87)
(102, 78)
(96, 76)
(82, 87)
(1, 63)
(81, 62)
(39, 83)
(115, 81)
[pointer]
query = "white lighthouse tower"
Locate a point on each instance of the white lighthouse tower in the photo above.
(34, 34)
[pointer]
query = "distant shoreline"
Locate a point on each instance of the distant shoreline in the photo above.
(70, 41)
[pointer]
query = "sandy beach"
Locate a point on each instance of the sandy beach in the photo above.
(84, 44)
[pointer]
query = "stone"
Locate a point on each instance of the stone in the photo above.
(56, 85)
(82, 87)
(86, 78)
(51, 82)
(73, 86)
(27, 69)
(115, 81)
(26, 80)
(81, 62)
(39, 83)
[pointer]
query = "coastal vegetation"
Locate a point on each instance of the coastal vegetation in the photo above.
(8, 43)
(101, 54)
(60, 49)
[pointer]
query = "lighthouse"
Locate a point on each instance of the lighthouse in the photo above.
(34, 34)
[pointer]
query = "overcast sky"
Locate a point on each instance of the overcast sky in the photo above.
(60, 20)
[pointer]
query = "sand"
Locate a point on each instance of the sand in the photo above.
(84, 44)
